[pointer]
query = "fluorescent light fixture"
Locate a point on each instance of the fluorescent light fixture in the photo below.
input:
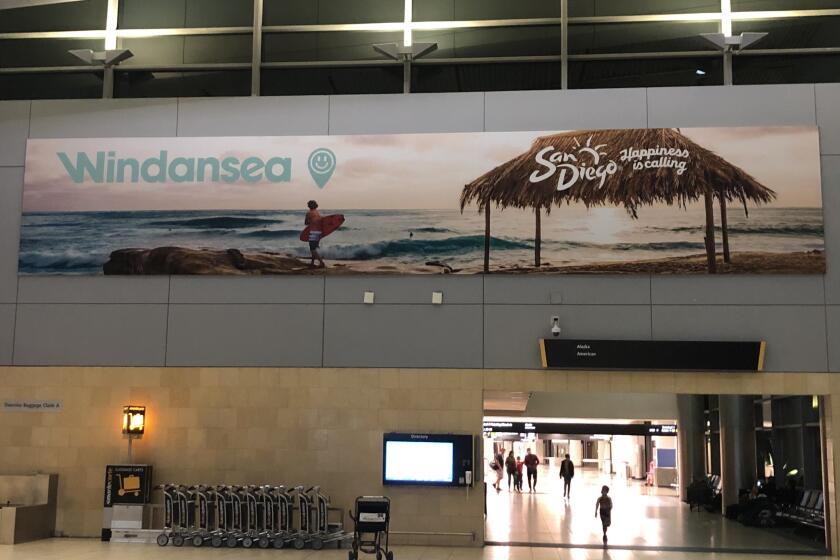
(10, 4)
(407, 21)
(699, 72)
(726, 18)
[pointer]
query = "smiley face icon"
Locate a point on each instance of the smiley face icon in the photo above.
(321, 166)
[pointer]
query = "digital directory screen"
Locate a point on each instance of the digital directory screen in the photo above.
(420, 462)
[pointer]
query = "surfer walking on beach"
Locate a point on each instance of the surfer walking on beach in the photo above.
(314, 221)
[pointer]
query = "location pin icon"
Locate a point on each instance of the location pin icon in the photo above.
(321, 166)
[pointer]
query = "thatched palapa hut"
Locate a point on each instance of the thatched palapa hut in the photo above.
(630, 168)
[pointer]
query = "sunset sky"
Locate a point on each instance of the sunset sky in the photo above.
(420, 171)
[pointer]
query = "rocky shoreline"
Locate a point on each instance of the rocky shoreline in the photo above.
(182, 260)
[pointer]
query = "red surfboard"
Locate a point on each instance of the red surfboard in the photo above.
(328, 225)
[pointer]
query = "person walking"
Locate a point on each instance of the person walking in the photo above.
(497, 465)
(603, 507)
(531, 462)
(519, 465)
(567, 473)
(510, 467)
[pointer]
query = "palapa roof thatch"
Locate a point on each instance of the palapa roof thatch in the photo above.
(508, 184)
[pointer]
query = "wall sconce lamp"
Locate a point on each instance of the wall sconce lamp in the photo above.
(133, 424)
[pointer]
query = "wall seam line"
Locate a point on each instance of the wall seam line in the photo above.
(827, 340)
(177, 116)
(650, 303)
(483, 320)
(484, 129)
(17, 266)
(166, 327)
(324, 321)
(647, 109)
(329, 116)
(417, 304)
(816, 120)
(14, 334)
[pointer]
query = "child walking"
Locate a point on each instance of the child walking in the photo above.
(603, 506)
(519, 465)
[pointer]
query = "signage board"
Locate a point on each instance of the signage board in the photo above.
(652, 355)
(736, 200)
(568, 428)
(127, 484)
(32, 406)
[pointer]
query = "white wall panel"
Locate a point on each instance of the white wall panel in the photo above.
(563, 110)
(760, 105)
(90, 335)
(399, 113)
(828, 117)
(95, 118)
(14, 127)
(11, 193)
(253, 116)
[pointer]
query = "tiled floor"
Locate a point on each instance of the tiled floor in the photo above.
(92, 549)
(642, 517)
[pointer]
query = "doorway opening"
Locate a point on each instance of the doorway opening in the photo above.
(655, 456)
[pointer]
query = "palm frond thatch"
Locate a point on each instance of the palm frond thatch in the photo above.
(507, 185)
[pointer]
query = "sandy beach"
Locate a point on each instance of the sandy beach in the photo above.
(180, 260)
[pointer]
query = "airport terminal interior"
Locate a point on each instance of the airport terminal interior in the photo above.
(637, 458)
(419, 279)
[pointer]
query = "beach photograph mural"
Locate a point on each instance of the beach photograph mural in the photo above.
(667, 201)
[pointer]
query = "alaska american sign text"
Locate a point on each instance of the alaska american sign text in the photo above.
(624, 201)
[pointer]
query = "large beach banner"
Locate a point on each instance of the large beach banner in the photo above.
(679, 201)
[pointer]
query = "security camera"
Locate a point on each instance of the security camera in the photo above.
(555, 326)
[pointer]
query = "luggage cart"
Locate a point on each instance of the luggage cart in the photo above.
(178, 515)
(221, 508)
(371, 520)
(237, 521)
(202, 496)
(316, 528)
(172, 524)
(284, 532)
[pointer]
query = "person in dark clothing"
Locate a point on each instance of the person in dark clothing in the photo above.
(497, 465)
(510, 468)
(567, 473)
(531, 461)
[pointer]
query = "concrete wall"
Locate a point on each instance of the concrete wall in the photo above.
(601, 405)
(490, 322)
(243, 426)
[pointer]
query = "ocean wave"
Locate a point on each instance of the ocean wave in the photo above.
(427, 247)
(431, 230)
(69, 260)
(216, 222)
(790, 229)
(656, 246)
(272, 234)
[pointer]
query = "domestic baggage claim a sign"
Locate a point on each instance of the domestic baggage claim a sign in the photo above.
(670, 355)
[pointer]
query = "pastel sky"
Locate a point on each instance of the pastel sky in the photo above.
(422, 171)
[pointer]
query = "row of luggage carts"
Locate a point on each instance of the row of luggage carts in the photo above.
(249, 516)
